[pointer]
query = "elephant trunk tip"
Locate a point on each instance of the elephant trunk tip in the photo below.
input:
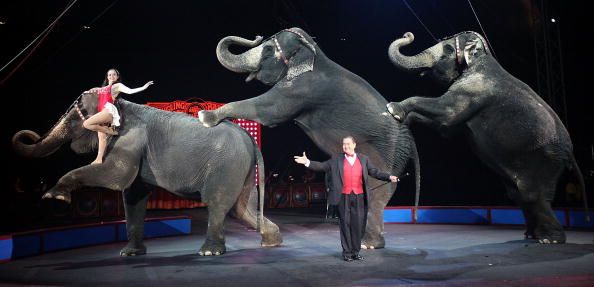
(409, 35)
(416, 63)
(29, 144)
(25, 136)
(242, 63)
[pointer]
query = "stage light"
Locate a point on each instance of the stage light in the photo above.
(553, 20)
(2, 22)
(86, 27)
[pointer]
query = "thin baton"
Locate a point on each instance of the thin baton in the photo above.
(406, 174)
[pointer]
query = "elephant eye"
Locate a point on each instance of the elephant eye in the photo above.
(448, 49)
(268, 51)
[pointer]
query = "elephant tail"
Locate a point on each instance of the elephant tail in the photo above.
(417, 166)
(261, 186)
(575, 169)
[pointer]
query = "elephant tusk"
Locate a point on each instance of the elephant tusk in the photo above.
(250, 77)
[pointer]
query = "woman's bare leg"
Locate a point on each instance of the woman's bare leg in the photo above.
(101, 150)
(98, 121)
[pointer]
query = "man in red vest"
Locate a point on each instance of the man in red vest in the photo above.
(350, 176)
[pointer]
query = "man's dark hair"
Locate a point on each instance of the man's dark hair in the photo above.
(350, 137)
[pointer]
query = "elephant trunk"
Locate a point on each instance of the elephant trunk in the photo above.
(39, 148)
(416, 63)
(243, 63)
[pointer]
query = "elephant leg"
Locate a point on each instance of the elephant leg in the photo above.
(414, 117)
(396, 110)
(135, 207)
(246, 210)
(106, 175)
(215, 236)
(265, 109)
(374, 229)
(219, 202)
(514, 194)
(530, 219)
(447, 110)
(536, 186)
(547, 229)
(208, 118)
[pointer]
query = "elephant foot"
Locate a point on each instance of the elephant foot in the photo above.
(396, 111)
(212, 249)
(552, 239)
(208, 118)
(370, 243)
(133, 250)
(59, 195)
(271, 239)
(549, 241)
(530, 235)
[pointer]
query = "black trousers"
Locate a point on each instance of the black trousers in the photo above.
(332, 211)
(351, 212)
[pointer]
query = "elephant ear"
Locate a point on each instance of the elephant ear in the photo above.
(303, 58)
(84, 140)
(89, 103)
(301, 62)
(471, 48)
(85, 143)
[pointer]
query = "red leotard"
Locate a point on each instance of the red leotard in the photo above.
(104, 97)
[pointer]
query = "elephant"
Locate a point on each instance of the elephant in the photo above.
(509, 127)
(165, 149)
(326, 101)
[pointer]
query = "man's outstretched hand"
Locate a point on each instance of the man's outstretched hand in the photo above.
(301, 159)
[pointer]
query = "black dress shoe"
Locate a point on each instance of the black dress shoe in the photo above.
(347, 258)
(357, 257)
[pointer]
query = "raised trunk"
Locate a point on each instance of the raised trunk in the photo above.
(243, 63)
(39, 148)
(416, 63)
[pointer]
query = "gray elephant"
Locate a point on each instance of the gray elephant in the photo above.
(326, 101)
(510, 128)
(166, 149)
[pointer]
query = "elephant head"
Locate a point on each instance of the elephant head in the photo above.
(283, 56)
(444, 61)
(68, 128)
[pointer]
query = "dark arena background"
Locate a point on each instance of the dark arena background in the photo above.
(51, 51)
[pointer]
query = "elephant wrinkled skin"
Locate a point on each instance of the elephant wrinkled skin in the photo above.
(172, 151)
(326, 101)
(511, 129)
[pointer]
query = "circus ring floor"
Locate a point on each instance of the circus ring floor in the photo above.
(415, 255)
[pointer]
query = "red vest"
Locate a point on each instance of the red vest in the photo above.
(104, 97)
(352, 177)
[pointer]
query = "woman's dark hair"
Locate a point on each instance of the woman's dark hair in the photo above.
(106, 82)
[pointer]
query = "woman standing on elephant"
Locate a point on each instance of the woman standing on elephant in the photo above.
(107, 113)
